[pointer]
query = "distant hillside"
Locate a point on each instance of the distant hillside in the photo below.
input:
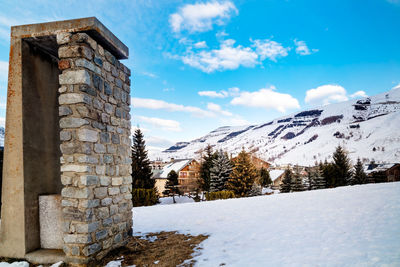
(369, 128)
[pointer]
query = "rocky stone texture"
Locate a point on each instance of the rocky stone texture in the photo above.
(95, 164)
(50, 218)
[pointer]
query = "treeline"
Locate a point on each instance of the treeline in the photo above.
(237, 177)
(339, 172)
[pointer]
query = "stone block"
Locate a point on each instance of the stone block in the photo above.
(99, 148)
(65, 135)
(87, 159)
(87, 135)
(100, 235)
(82, 228)
(64, 111)
(77, 239)
(103, 213)
(89, 203)
(75, 77)
(75, 51)
(100, 169)
(113, 190)
(117, 181)
(50, 221)
(100, 192)
(89, 179)
(63, 38)
(75, 168)
(84, 63)
(106, 201)
(75, 192)
(73, 98)
(72, 122)
(91, 249)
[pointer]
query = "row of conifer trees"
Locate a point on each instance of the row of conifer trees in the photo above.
(339, 172)
(219, 173)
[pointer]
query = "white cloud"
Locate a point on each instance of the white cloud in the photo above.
(217, 109)
(226, 57)
(155, 141)
(269, 49)
(160, 104)
(266, 98)
(302, 48)
(359, 94)
(200, 17)
(149, 74)
(2, 122)
(3, 70)
(213, 94)
(230, 56)
(326, 94)
(234, 91)
(201, 44)
(168, 125)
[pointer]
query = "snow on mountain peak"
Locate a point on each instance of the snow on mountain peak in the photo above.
(312, 135)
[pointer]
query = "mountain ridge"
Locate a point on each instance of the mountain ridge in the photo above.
(366, 127)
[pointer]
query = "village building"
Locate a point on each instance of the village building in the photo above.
(188, 174)
(259, 163)
(276, 177)
(382, 172)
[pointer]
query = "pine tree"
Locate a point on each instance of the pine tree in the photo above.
(297, 181)
(341, 166)
(264, 178)
(171, 187)
(309, 181)
(141, 170)
(328, 172)
(242, 176)
(220, 172)
(318, 180)
(359, 175)
(256, 190)
(205, 167)
(285, 186)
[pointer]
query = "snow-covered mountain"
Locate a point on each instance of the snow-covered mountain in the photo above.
(368, 128)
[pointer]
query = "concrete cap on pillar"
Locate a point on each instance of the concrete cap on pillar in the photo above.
(91, 26)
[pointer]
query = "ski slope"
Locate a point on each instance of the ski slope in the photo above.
(346, 226)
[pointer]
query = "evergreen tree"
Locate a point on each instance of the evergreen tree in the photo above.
(242, 176)
(328, 173)
(297, 181)
(205, 167)
(220, 172)
(318, 180)
(341, 167)
(171, 187)
(264, 178)
(256, 190)
(141, 170)
(285, 186)
(359, 175)
(309, 181)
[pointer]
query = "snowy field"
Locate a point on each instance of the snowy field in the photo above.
(347, 226)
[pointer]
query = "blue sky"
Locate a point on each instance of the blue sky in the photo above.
(198, 65)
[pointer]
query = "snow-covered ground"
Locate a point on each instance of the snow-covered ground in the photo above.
(178, 200)
(346, 226)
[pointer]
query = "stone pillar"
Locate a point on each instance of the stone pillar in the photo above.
(95, 145)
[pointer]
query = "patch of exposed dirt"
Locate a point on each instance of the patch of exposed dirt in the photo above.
(164, 249)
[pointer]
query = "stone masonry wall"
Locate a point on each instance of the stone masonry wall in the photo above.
(96, 150)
